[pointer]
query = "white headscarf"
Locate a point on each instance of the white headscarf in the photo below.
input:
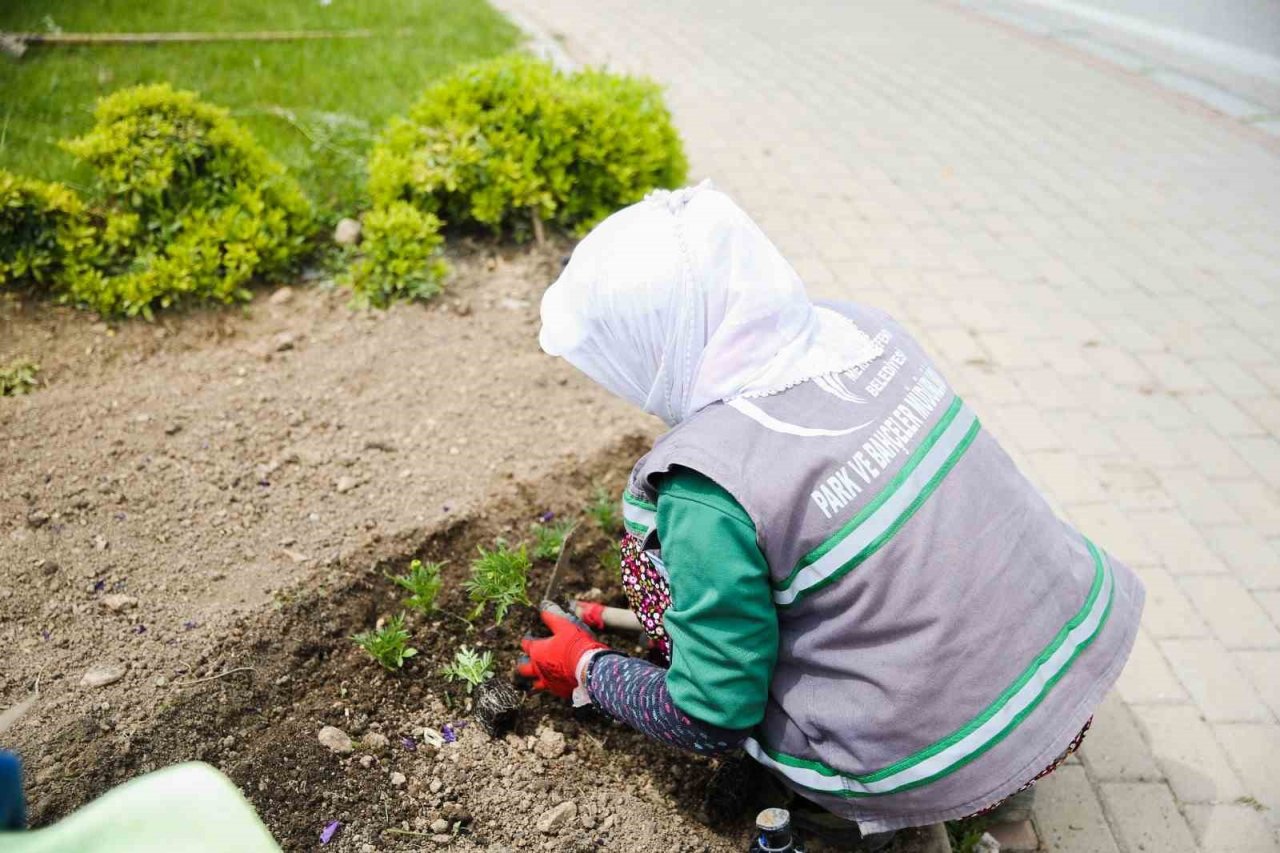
(680, 300)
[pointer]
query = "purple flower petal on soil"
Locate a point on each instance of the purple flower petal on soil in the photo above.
(547, 517)
(447, 732)
(139, 629)
(99, 586)
(409, 744)
(45, 635)
(331, 829)
(190, 624)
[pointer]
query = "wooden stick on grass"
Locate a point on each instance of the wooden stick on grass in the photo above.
(168, 38)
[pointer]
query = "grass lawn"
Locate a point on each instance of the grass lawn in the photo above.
(314, 104)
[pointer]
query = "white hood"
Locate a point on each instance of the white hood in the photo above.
(680, 300)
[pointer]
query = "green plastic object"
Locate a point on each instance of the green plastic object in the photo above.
(186, 808)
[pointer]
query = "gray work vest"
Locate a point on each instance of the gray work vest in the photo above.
(943, 635)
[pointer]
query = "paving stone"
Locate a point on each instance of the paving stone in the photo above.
(1112, 530)
(1232, 613)
(1231, 828)
(1215, 683)
(1222, 416)
(1262, 668)
(1147, 676)
(1114, 749)
(1066, 476)
(1186, 750)
(1250, 556)
(1252, 749)
(1263, 455)
(1168, 612)
(1145, 817)
(1199, 498)
(1068, 815)
(1015, 837)
(1181, 547)
(1270, 601)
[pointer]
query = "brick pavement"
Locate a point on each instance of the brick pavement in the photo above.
(1096, 262)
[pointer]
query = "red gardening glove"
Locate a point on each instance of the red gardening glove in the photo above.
(552, 662)
(590, 612)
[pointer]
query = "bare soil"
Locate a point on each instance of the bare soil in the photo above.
(209, 505)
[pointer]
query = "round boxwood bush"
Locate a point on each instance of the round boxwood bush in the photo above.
(400, 256)
(500, 142)
(46, 232)
(196, 208)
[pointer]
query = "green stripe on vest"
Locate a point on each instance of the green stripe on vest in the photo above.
(981, 733)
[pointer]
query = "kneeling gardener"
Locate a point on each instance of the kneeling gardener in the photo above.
(848, 576)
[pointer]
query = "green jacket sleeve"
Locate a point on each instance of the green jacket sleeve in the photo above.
(722, 623)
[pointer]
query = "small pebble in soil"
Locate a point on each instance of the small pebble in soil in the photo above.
(397, 779)
(376, 740)
(281, 296)
(550, 743)
(554, 818)
(102, 674)
(335, 740)
(347, 232)
(346, 484)
(366, 761)
(115, 602)
(440, 825)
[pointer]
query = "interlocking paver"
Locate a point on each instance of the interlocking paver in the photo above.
(1188, 753)
(1218, 687)
(1221, 828)
(1115, 750)
(1169, 613)
(1145, 817)
(1095, 264)
(1147, 677)
(1252, 749)
(1068, 815)
(1262, 668)
(1232, 613)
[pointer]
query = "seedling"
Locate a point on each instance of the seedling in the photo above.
(604, 509)
(499, 577)
(549, 538)
(470, 667)
(611, 561)
(18, 377)
(388, 645)
(423, 583)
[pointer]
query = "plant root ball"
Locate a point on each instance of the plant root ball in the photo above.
(497, 705)
(733, 791)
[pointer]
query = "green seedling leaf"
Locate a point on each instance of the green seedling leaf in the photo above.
(470, 667)
(423, 583)
(388, 645)
(499, 577)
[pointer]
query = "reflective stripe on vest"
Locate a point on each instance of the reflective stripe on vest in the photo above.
(979, 734)
(877, 523)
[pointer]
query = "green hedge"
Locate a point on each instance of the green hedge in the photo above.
(400, 256)
(197, 208)
(498, 142)
(46, 232)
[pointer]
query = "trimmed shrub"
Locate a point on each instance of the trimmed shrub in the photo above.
(46, 232)
(499, 142)
(400, 256)
(196, 207)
